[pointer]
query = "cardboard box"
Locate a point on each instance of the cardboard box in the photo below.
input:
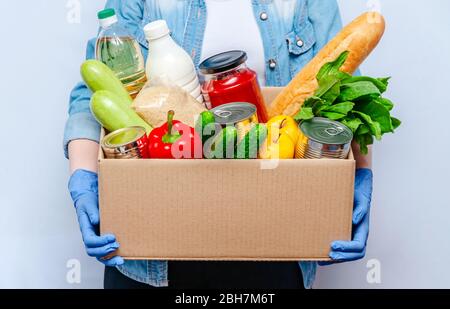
(227, 209)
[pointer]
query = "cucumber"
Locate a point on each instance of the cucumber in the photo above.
(224, 144)
(112, 114)
(98, 76)
(248, 147)
(206, 121)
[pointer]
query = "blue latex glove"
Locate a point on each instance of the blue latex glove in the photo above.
(83, 187)
(345, 251)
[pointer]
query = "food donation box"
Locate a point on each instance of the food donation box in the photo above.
(274, 210)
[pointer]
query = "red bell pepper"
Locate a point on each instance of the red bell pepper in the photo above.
(174, 140)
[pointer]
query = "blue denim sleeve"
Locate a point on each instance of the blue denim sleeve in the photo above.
(81, 124)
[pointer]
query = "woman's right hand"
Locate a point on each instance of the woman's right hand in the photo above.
(83, 187)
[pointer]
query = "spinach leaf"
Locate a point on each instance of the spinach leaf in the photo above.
(364, 140)
(316, 103)
(331, 95)
(395, 122)
(363, 129)
(332, 68)
(377, 113)
(332, 115)
(358, 90)
(381, 85)
(374, 126)
(386, 103)
(305, 113)
(342, 108)
(329, 88)
(385, 81)
(311, 101)
(352, 123)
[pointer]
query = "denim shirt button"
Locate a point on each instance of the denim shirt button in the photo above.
(272, 64)
(300, 43)
(264, 16)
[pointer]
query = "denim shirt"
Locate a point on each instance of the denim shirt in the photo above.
(289, 43)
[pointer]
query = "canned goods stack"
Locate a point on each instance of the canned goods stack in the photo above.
(243, 116)
(323, 138)
(127, 143)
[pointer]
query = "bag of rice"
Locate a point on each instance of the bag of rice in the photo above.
(157, 98)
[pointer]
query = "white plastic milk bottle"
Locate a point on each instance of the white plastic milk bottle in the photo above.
(167, 60)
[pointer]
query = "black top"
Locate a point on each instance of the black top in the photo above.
(223, 62)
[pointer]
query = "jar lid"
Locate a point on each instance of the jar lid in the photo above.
(223, 62)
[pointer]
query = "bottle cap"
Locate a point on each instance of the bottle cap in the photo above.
(156, 30)
(107, 17)
(106, 13)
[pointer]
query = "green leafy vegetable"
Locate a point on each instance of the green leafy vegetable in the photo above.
(373, 126)
(378, 113)
(332, 68)
(380, 83)
(353, 124)
(355, 101)
(385, 81)
(395, 122)
(363, 129)
(364, 140)
(305, 113)
(386, 103)
(329, 89)
(358, 91)
(342, 108)
(337, 111)
(332, 115)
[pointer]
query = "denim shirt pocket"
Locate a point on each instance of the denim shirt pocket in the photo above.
(300, 46)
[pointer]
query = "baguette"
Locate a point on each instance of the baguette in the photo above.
(360, 37)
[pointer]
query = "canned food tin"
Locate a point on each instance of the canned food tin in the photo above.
(241, 115)
(323, 138)
(127, 143)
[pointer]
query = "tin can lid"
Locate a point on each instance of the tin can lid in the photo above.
(326, 131)
(232, 113)
(123, 137)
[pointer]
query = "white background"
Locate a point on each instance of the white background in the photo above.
(410, 231)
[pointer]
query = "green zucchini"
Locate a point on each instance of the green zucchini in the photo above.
(112, 114)
(98, 76)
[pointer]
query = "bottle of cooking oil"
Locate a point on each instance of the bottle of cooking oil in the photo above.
(117, 48)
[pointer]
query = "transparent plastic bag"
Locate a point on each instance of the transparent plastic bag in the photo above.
(160, 96)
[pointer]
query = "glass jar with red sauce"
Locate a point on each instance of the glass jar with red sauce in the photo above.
(227, 79)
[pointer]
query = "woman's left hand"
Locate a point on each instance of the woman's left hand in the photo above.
(345, 251)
